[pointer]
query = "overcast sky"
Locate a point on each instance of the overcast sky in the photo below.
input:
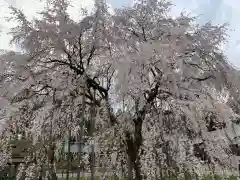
(217, 11)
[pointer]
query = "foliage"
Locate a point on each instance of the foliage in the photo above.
(154, 86)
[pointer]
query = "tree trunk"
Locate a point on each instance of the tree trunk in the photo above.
(92, 162)
(134, 144)
(53, 175)
(23, 175)
(80, 134)
(68, 155)
(187, 175)
(130, 168)
(41, 173)
(51, 160)
(92, 130)
(133, 147)
(80, 141)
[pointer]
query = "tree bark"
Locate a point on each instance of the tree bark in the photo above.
(133, 147)
(134, 144)
(92, 130)
(130, 168)
(68, 155)
(80, 135)
(51, 157)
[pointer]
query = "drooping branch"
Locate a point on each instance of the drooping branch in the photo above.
(200, 79)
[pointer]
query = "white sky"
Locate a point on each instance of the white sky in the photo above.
(217, 11)
(30, 9)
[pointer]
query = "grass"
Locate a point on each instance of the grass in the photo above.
(207, 177)
(82, 178)
(167, 176)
